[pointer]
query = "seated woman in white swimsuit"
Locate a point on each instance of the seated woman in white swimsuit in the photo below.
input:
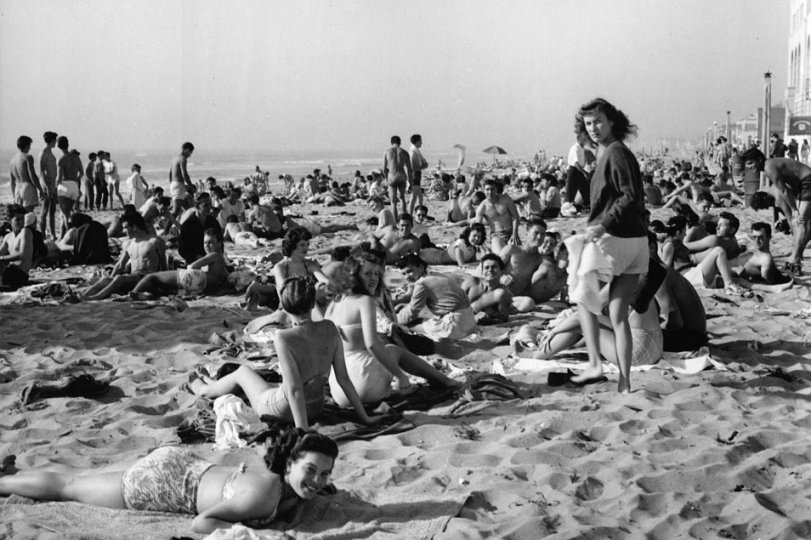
(372, 365)
(171, 479)
(307, 353)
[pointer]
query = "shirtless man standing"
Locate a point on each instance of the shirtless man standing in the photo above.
(48, 173)
(398, 242)
(418, 164)
(397, 170)
(69, 181)
(179, 181)
(500, 212)
(16, 249)
(531, 272)
(142, 252)
(792, 181)
(25, 187)
(487, 294)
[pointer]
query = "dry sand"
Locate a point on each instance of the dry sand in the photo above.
(724, 453)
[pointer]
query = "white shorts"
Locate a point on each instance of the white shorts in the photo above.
(696, 277)
(627, 255)
(177, 190)
(453, 325)
(68, 189)
(371, 379)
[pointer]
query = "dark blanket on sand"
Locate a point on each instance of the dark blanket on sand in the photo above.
(341, 424)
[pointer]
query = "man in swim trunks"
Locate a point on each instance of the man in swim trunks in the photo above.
(192, 225)
(444, 298)
(531, 271)
(25, 187)
(760, 267)
(487, 294)
(792, 181)
(69, 181)
(179, 181)
(398, 242)
(16, 250)
(100, 181)
(418, 164)
(397, 170)
(142, 253)
(501, 213)
(48, 173)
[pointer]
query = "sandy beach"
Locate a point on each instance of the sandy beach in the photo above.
(718, 453)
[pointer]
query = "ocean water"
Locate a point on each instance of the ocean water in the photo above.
(236, 166)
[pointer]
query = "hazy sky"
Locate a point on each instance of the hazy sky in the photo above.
(301, 75)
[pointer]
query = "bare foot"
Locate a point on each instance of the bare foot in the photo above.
(624, 386)
(588, 375)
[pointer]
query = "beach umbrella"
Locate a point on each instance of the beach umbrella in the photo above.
(495, 150)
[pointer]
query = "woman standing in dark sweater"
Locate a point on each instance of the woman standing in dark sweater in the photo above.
(616, 224)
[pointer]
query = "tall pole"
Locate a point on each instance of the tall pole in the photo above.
(767, 110)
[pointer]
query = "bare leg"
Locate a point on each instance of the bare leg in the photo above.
(97, 286)
(157, 282)
(403, 359)
(119, 285)
(716, 262)
(118, 194)
(622, 289)
(802, 232)
(245, 378)
(96, 489)
(591, 333)
(393, 200)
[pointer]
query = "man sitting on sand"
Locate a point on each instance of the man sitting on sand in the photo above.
(443, 297)
(528, 203)
(157, 211)
(263, 220)
(532, 269)
(398, 242)
(142, 253)
(204, 275)
(724, 238)
(193, 223)
(16, 250)
(384, 216)
(759, 271)
(500, 211)
(487, 295)
(792, 181)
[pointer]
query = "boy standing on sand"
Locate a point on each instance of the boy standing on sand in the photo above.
(25, 187)
(418, 164)
(48, 172)
(397, 170)
(179, 181)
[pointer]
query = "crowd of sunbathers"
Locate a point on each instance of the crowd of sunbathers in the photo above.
(341, 327)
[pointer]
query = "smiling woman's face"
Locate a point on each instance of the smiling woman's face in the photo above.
(309, 474)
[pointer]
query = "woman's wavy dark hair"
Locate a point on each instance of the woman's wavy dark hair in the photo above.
(292, 238)
(354, 266)
(474, 227)
(289, 446)
(297, 295)
(674, 225)
(622, 127)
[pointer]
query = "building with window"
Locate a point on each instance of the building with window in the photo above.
(798, 86)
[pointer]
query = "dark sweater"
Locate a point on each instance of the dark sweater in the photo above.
(617, 195)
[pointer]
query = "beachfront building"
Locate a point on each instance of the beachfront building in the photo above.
(798, 87)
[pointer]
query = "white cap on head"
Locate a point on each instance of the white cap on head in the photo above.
(30, 219)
